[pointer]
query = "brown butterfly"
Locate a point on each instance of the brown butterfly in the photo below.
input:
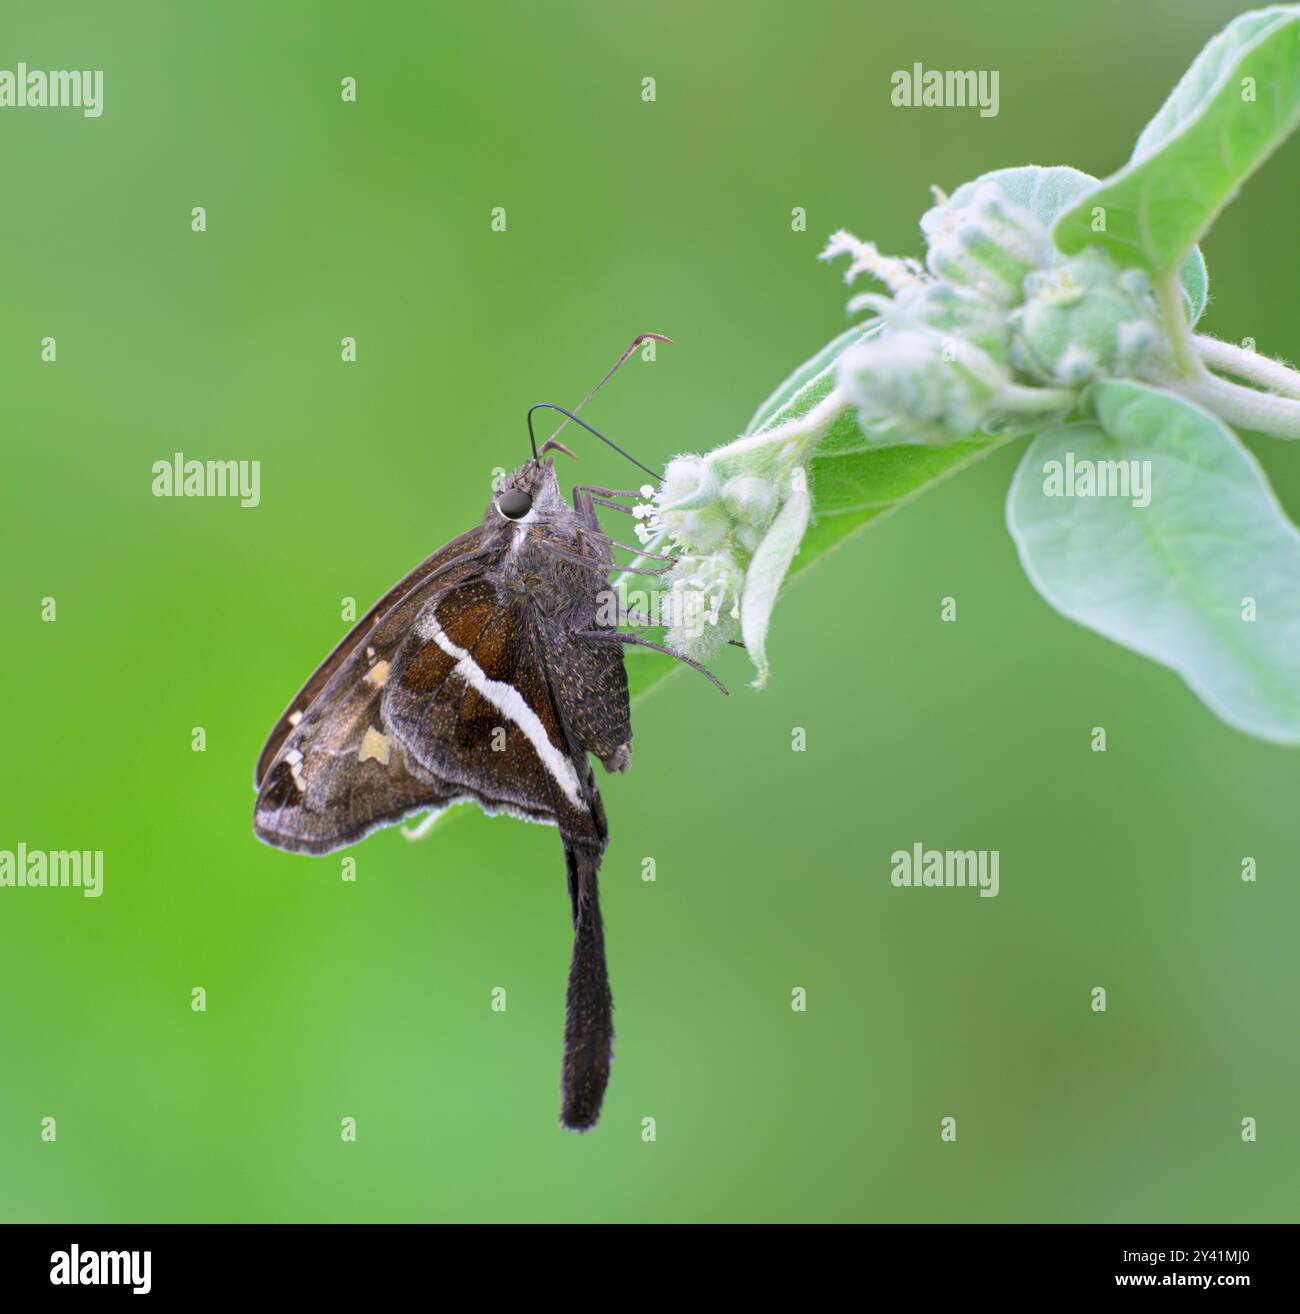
(484, 675)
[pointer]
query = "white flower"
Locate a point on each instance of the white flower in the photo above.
(895, 272)
(704, 605)
(686, 509)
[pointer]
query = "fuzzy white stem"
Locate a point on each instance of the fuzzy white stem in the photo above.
(1263, 371)
(1016, 400)
(1262, 412)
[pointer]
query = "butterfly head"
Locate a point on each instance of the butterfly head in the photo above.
(531, 493)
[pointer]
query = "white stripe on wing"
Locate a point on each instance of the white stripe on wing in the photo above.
(510, 703)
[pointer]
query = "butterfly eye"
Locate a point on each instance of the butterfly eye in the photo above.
(515, 504)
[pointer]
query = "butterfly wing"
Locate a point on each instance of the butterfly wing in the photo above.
(329, 773)
(459, 551)
(589, 684)
(470, 701)
(339, 777)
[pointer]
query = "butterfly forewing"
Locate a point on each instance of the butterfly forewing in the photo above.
(330, 773)
(340, 777)
(459, 549)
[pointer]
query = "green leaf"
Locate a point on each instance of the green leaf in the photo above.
(1171, 580)
(781, 396)
(1043, 191)
(1196, 86)
(1195, 281)
(768, 569)
(1206, 140)
(853, 486)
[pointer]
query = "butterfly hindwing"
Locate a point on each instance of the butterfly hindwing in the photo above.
(469, 698)
(589, 685)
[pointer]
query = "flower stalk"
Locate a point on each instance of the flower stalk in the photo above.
(1243, 363)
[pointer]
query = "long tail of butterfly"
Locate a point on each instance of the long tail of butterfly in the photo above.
(589, 1020)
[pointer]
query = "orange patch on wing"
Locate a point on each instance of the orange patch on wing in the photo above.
(464, 612)
(497, 649)
(428, 669)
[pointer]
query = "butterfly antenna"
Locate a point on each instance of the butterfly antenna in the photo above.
(573, 415)
(551, 406)
(613, 369)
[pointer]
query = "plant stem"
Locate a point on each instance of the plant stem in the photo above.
(1019, 402)
(1262, 412)
(807, 430)
(1170, 293)
(1262, 371)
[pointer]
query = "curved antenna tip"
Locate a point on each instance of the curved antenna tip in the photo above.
(551, 406)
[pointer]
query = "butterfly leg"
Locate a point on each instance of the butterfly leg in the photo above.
(584, 495)
(613, 506)
(638, 618)
(621, 636)
(604, 492)
(579, 560)
(641, 552)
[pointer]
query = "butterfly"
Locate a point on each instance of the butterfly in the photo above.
(490, 674)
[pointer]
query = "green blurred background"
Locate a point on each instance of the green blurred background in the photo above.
(371, 999)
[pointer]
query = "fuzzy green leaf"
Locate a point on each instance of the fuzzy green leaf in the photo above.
(1233, 108)
(1205, 578)
(779, 400)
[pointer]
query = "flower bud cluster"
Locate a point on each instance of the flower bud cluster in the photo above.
(997, 333)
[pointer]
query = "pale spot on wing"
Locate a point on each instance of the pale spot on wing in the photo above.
(295, 717)
(374, 745)
(294, 759)
(377, 675)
